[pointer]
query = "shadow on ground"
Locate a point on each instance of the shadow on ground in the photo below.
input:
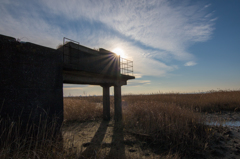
(117, 147)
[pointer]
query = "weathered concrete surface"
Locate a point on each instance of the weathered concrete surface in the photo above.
(80, 77)
(117, 103)
(80, 58)
(30, 82)
(106, 102)
(32, 76)
(83, 65)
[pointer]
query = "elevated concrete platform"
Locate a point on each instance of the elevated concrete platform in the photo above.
(32, 77)
(82, 65)
(81, 77)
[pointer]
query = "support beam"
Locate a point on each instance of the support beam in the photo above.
(79, 77)
(117, 103)
(106, 102)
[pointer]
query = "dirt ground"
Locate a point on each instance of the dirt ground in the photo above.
(103, 139)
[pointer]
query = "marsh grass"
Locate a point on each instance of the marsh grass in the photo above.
(173, 122)
(168, 126)
(84, 108)
(167, 123)
(211, 101)
(32, 141)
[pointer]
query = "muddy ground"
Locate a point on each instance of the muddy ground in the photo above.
(102, 139)
(225, 141)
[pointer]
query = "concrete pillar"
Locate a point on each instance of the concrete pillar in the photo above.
(117, 103)
(106, 102)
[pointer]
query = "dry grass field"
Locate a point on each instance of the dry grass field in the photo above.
(171, 122)
(160, 125)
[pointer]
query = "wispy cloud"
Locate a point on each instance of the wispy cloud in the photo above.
(190, 63)
(138, 82)
(150, 31)
(156, 23)
(74, 86)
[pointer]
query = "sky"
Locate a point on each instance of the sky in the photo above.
(186, 46)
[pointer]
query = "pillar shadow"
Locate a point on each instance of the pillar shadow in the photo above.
(95, 144)
(117, 146)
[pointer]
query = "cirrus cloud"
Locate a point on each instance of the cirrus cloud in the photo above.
(150, 31)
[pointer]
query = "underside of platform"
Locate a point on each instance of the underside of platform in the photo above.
(81, 77)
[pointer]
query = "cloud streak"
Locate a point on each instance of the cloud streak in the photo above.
(138, 82)
(74, 86)
(156, 23)
(190, 63)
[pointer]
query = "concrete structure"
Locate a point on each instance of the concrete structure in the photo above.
(83, 65)
(30, 83)
(32, 77)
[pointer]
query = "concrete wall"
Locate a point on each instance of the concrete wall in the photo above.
(30, 82)
(80, 58)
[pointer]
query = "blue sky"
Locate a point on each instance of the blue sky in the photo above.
(176, 46)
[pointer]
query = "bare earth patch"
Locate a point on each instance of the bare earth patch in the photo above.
(102, 139)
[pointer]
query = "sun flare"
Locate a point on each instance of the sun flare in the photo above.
(119, 51)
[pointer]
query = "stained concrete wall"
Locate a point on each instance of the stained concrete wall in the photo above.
(30, 82)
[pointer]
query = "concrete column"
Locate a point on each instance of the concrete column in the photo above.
(106, 102)
(117, 103)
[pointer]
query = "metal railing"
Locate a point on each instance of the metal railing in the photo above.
(66, 40)
(67, 58)
(126, 66)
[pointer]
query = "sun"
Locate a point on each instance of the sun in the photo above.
(119, 51)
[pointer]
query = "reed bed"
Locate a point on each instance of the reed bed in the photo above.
(84, 108)
(76, 109)
(173, 121)
(170, 122)
(167, 126)
(39, 141)
(211, 101)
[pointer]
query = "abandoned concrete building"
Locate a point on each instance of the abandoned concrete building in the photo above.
(32, 77)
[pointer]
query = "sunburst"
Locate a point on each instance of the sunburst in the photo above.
(119, 51)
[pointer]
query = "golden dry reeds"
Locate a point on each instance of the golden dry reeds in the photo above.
(210, 101)
(174, 120)
(169, 122)
(83, 108)
(32, 141)
(167, 125)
